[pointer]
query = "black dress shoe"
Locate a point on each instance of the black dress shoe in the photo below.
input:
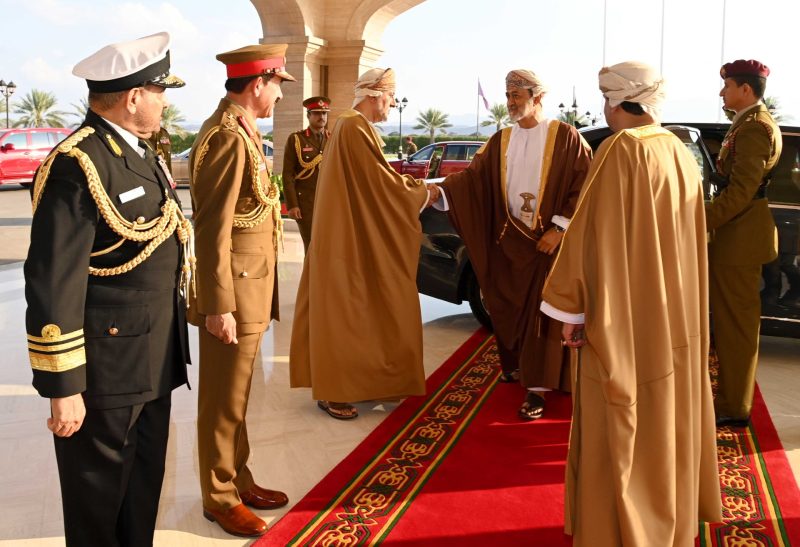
(510, 377)
(727, 421)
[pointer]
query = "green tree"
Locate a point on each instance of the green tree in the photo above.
(498, 117)
(774, 107)
(79, 111)
(37, 109)
(171, 119)
(432, 120)
(573, 118)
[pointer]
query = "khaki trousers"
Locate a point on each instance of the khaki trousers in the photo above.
(735, 322)
(226, 372)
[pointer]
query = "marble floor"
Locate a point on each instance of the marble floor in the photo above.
(294, 444)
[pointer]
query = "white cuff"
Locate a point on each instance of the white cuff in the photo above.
(558, 220)
(559, 315)
(441, 204)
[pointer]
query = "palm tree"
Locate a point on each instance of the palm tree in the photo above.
(37, 110)
(80, 111)
(573, 118)
(498, 117)
(774, 107)
(431, 120)
(170, 120)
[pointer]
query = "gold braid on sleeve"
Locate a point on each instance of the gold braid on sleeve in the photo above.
(308, 167)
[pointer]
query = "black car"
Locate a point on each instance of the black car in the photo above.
(445, 272)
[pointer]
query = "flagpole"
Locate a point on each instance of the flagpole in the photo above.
(722, 54)
(478, 110)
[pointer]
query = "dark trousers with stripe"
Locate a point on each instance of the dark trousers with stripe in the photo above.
(111, 472)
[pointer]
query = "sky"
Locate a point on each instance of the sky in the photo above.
(439, 48)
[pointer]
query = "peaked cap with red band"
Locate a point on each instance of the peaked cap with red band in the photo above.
(744, 68)
(317, 104)
(256, 60)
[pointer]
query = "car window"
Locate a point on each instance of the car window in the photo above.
(456, 152)
(785, 185)
(423, 155)
(40, 140)
(19, 140)
(472, 149)
(56, 137)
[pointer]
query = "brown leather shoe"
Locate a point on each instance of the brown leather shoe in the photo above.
(237, 521)
(261, 498)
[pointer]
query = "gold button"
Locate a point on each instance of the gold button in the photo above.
(243, 274)
(140, 220)
(113, 331)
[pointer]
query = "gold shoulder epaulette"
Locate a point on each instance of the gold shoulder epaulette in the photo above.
(44, 171)
(229, 123)
(56, 352)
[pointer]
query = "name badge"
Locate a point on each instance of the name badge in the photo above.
(308, 149)
(131, 195)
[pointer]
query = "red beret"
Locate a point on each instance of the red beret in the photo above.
(744, 68)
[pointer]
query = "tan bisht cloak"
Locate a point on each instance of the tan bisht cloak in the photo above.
(357, 331)
(642, 467)
(502, 249)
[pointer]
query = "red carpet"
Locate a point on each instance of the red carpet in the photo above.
(457, 467)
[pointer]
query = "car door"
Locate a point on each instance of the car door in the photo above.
(14, 156)
(780, 297)
(417, 165)
(454, 159)
(40, 144)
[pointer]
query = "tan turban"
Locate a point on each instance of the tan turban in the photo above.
(636, 83)
(525, 79)
(373, 83)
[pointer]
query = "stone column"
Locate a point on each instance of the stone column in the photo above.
(321, 68)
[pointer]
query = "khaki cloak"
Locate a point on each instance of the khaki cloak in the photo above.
(357, 331)
(502, 249)
(642, 465)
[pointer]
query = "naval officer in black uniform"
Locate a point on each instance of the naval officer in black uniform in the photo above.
(106, 275)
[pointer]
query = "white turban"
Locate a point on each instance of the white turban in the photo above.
(636, 83)
(525, 79)
(373, 83)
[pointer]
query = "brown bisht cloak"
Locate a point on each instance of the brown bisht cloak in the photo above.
(502, 250)
(357, 331)
(642, 464)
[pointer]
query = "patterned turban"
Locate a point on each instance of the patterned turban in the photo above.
(636, 83)
(373, 83)
(525, 79)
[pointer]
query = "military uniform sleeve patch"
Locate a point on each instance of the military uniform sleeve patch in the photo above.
(56, 352)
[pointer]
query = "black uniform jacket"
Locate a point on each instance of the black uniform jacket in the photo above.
(118, 339)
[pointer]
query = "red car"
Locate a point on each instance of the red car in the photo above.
(438, 160)
(23, 150)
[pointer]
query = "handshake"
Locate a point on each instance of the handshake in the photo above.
(434, 193)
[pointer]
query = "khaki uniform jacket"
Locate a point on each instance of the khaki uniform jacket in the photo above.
(743, 230)
(301, 169)
(235, 234)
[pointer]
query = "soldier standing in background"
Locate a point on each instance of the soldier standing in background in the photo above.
(162, 146)
(743, 236)
(302, 156)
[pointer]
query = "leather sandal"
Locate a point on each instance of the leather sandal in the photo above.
(340, 411)
(532, 408)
